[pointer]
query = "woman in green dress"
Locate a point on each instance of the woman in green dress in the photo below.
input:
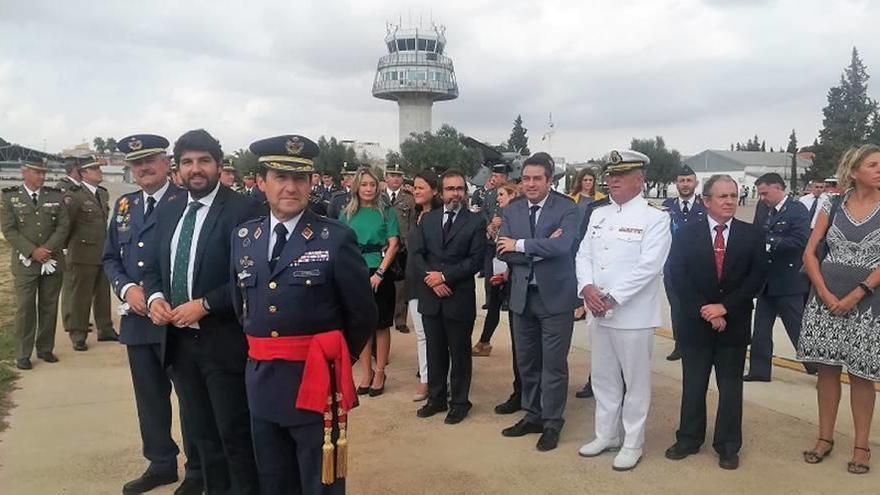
(375, 225)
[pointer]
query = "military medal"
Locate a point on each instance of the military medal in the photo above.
(243, 275)
(242, 232)
(307, 232)
(246, 262)
(258, 232)
(325, 233)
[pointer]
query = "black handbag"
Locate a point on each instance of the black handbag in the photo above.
(397, 269)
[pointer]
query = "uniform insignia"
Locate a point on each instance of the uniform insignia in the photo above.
(258, 232)
(246, 242)
(246, 262)
(242, 232)
(615, 157)
(307, 232)
(135, 144)
(137, 200)
(294, 146)
(661, 207)
(325, 233)
(123, 207)
(171, 198)
(243, 275)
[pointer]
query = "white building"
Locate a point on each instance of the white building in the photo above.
(744, 166)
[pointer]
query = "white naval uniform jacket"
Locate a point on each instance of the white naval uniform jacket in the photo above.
(623, 253)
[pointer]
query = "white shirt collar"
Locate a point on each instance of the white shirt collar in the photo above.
(689, 199)
(207, 200)
(158, 194)
(31, 193)
(89, 187)
(77, 182)
(457, 210)
(390, 191)
(713, 223)
(779, 206)
(289, 224)
(540, 204)
(635, 201)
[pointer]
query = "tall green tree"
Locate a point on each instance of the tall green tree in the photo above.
(793, 149)
(442, 150)
(848, 118)
(245, 162)
(518, 141)
(99, 144)
(665, 163)
(110, 144)
(332, 155)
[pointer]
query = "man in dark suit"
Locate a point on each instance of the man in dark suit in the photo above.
(130, 238)
(786, 225)
(189, 291)
(717, 267)
(304, 299)
(338, 199)
(687, 207)
(537, 240)
(447, 249)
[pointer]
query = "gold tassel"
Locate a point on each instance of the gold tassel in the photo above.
(341, 452)
(327, 477)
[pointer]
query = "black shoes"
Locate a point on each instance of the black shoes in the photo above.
(80, 346)
(675, 355)
(111, 337)
(23, 363)
(376, 392)
(148, 481)
(190, 486)
(522, 428)
(402, 328)
(753, 378)
(549, 440)
(728, 461)
(456, 415)
(431, 409)
(586, 392)
(48, 357)
(510, 406)
(679, 451)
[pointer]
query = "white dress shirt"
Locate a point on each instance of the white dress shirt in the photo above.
(396, 195)
(690, 201)
(31, 193)
(92, 189)
(289, 225)
(521, 243)
(446, 217)
(725, 233)
(201, 214)
(808, 201)
(156, 196)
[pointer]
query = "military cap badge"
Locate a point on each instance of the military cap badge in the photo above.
(135, 144)
(294, 145)
(615, 157)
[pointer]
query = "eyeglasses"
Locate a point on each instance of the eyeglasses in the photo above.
(455, 189)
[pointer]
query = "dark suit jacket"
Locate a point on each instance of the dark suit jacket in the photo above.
(220, 329)
(459, 258)
(130, 242)
(692, 268)
(552, 259)
(322, 285)
(786, 232)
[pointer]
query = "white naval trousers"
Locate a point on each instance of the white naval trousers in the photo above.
(421, 343)
(621, 360)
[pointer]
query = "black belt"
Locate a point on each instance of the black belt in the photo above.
(371, 248)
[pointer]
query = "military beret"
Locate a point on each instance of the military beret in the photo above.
(394, 168)
(685, 170)
(618, 162)
(139, 146)
(287, 153)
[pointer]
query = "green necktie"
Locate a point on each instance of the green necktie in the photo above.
(179, 292)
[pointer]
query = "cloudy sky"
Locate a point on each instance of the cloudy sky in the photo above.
(700, 73)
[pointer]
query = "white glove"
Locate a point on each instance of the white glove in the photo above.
(48, 267)
(25, 261)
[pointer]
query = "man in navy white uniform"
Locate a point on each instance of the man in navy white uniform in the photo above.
(619, 265)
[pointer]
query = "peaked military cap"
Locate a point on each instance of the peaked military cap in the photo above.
(90, 162)
(139, 146)
(685, 170)
(620, 161)
(227, 165)
(349, 168)
(38, 166)
(394, 168)
(287, 153)
(832, 180)
(501, 168)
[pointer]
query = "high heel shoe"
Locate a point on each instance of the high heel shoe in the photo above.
(366, 390)
(376, 392)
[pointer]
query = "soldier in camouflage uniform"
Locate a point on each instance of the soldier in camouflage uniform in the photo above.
(35, 222)
(88, 207)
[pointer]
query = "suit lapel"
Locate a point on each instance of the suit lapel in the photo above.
(296, 245)
(732, 250)
(457, 224)
(214, 212)
(177, 209)
(543, 213)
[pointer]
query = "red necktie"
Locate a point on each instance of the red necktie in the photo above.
(719, 249)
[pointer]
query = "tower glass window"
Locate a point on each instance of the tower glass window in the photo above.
(431, 45)
(422, 44)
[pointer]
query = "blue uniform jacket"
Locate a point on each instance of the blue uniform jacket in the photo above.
(130, 242)
(678, 219)
(785, 233)
(320, 283)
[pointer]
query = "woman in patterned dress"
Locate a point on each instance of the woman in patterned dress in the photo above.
(841, 324)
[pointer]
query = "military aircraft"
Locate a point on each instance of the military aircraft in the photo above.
(491, 156)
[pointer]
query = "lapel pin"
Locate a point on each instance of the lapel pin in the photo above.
(258, 232)
(242, 232)
(325, 233)
(307, 232)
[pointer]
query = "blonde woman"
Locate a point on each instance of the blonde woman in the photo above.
(840, 326)
(375, 226)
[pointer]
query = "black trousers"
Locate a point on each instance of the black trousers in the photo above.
(791, 310)
(215, 401)
(495, 296)
(289, 459)
(152, 395)
(448, 340)
(696, 366)
(517, 382)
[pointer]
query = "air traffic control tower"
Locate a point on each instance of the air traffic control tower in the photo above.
(415, 73)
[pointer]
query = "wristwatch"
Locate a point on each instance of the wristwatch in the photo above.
(868, 291)
(205, 305)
